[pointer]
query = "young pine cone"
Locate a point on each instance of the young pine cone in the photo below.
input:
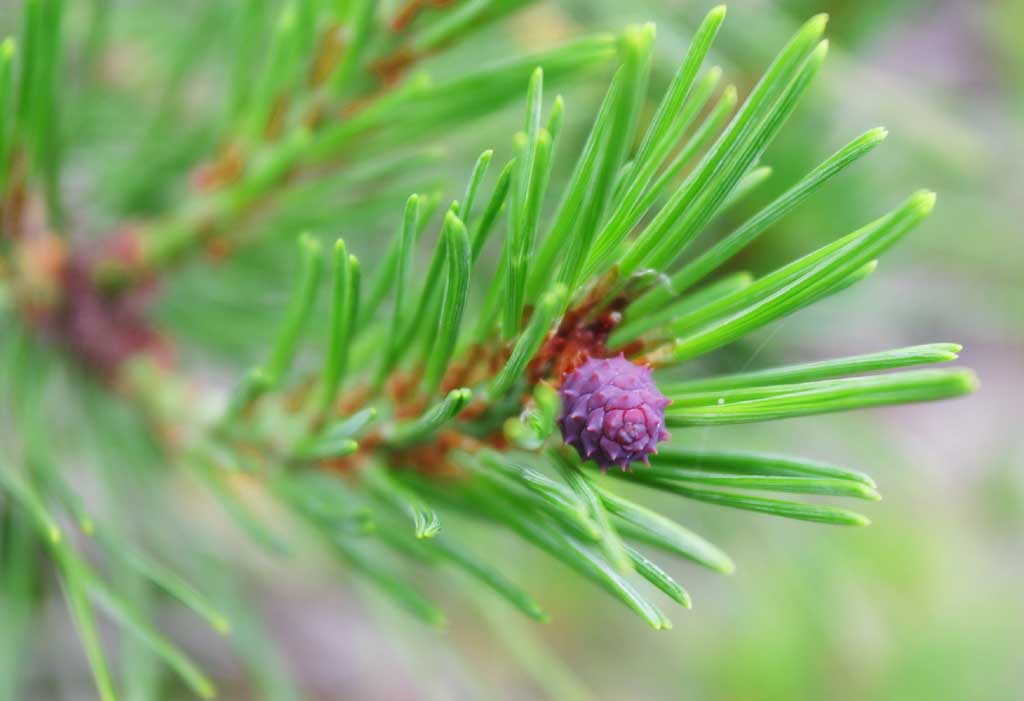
(612, 412)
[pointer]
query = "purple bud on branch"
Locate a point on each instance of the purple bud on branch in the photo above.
(612, 412)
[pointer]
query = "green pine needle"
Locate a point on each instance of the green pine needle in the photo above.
(802, 399)
(479, 569)
(299, 310)
(821, 370)
(751, 463)
(646, 526)
(788, 509)
(344, 313)
(453, 301)
(414, 431)
(403, 269)
(426, 522)
(610, 541)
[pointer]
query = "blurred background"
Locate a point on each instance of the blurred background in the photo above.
(923, 604)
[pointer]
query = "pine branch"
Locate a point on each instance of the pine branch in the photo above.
(402, 413)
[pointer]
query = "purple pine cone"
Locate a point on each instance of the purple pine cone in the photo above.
(612, 412)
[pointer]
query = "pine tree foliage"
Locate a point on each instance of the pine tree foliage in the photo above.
(395, 398)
